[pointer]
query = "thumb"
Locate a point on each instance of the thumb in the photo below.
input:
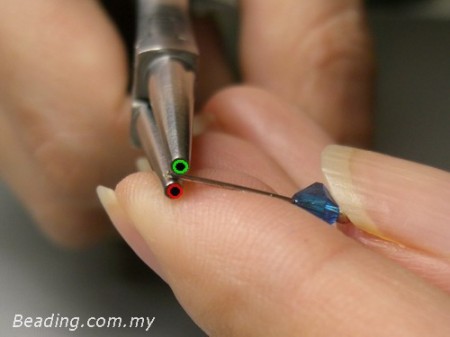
(247, 265)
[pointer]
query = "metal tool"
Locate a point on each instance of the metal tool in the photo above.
(163, 88)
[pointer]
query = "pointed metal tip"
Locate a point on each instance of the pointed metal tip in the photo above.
(171, 95)
(180, 166)
(174, 190)
(154, 146)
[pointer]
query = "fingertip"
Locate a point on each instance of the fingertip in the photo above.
(106, 196)
(138, 189)
(391, 198)
(336, 162)
(126, 228)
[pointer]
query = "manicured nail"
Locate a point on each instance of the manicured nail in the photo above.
(126, 228)
(109, 201)
(337, 168)
(391, 198)
(143, 165)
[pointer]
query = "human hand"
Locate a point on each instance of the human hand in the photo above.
(65, 110)
(249, 265)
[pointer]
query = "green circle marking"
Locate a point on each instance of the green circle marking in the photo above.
(180, 166)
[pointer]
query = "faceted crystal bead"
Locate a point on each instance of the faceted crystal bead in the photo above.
(317, 200)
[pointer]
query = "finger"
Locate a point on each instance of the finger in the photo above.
(65, 104)
(432, 268)
(126, 229)
(269, 269)
(391, 198)
(291, 139)
(397, 201)
(219, 151)
(400, 203)
(317, 55)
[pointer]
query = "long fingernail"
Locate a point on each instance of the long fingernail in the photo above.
(143, 165)
(126, 228)
(109, 201)
(337, 168)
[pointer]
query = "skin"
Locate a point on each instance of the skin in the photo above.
(249, 265)
(258, 266)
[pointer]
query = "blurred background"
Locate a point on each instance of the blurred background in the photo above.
(412, 121)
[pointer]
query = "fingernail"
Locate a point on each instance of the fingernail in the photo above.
(337, 168)
(108, 199)
(126, 228)
(143, 165)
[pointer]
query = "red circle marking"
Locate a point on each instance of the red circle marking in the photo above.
(174, 191)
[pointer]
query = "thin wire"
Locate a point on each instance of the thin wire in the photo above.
(343, 219)
(229, 186)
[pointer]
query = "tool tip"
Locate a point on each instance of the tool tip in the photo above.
(174, 191)
(180, 166)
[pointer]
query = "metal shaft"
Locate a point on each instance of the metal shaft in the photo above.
(165, 62)
(171, 90)
(152, 142)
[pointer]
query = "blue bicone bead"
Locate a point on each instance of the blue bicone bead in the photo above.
(317, 200)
